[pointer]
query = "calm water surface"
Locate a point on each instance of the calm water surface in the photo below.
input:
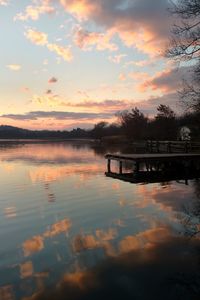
(69, 232)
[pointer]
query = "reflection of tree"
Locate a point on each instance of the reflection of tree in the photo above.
(102, 149)
(190, 218)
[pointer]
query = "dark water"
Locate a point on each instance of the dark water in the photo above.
(69, 232)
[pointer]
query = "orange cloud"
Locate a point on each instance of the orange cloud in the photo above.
(82, 9)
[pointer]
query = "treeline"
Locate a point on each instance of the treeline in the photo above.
(165, 125)
(132, 125)
(10, 132)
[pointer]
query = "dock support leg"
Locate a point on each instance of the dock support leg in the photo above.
(136, 167)
(120, 167)
(109, 165)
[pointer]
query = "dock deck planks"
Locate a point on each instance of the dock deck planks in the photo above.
(145, 156)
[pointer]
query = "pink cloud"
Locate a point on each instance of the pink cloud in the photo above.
(167, 80)
(52, 80)
(122, 77)
(136, 22)
(85, 40)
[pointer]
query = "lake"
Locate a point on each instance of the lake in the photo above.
(69, 232)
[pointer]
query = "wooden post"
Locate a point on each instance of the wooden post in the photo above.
(158, 146)
(147, 146)
(120, 167)
(151, 146)
(136, 167)
(109, 165)
(186, 147)
(169, 147)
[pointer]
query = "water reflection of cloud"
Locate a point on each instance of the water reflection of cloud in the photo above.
(36, 243)
(10, 212)
(119, 223)
(40, 279)
(33, 245)
(51, 197)
(57, 228)
(108, 235)
(6, 293)
(166, 270)
(8, 167)
(101, 239)
(144, 239)
(26, 269)
(58, 153)
(168, 198)
(50, 173)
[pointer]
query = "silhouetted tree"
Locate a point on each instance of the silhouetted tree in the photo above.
(99, 130)
(164, 126)
(134, 124)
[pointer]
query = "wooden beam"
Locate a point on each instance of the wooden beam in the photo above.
(120, 167)
(109, 165)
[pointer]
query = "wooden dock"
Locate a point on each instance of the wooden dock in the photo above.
(154, 166)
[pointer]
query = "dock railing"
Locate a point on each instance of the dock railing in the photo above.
(172, 146)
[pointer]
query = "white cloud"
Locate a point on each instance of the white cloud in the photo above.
(37, 37)
(4, 2)
(117, 58)
(14, 67)
(41, 39)
(64, 52)
(34, 12)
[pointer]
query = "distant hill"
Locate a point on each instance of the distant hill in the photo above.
(10, 132)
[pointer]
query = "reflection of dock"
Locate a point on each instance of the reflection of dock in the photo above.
(154, 167)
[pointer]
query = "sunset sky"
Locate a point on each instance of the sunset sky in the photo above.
(73, 63)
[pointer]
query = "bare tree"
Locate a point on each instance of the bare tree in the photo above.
(185, 46)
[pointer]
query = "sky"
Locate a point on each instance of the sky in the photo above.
(73, 63)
